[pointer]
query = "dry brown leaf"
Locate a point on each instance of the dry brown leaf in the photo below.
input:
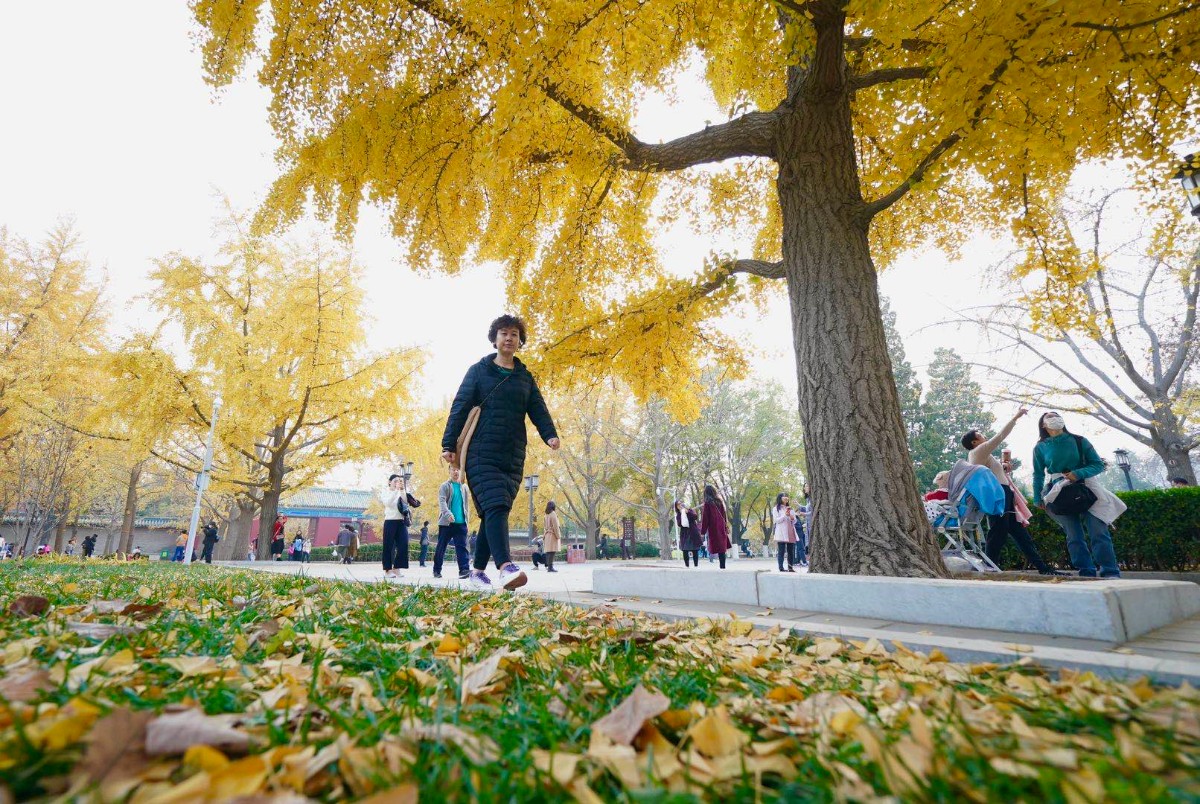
(105, 607)
(141, 611)
(449, 645)
(480, 678)
(177, 732)
(479, 749)
(28, 606)
(115, 755)
(568, 638)
(583, 793)
(102, 631)
(245, 777)
(560, 766)
(714, 735)
(622, 724)
(25, 685)
(192, 665)
(1179, 719)
(1011, 767)
(407, 793)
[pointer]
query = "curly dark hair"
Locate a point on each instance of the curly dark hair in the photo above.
(504, 322)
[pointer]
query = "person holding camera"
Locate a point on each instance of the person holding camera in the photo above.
(397, 516)
(980, 452)
(786, 538)
(1064, 485)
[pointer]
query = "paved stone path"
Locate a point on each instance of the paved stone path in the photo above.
(1170, 654)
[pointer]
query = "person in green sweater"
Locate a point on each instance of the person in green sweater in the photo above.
(1056, 459)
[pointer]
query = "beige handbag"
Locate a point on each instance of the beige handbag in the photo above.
(468, 431)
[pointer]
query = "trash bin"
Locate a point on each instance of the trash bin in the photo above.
(165, 555)
(576, 554)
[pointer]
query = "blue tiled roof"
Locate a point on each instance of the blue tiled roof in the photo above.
(349, 500)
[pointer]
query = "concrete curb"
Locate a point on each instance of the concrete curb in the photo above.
(1112, 611)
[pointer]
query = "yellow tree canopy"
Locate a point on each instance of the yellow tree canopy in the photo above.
(502, 130)
(278, 332)
(853, 129)
(52, 319)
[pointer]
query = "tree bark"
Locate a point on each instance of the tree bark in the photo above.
(237, 532)
(867, 517)
(131, 497)
(1171, 444)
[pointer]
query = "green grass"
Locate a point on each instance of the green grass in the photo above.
(1118, 732)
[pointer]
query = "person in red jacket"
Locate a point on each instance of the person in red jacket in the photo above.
(714, 524)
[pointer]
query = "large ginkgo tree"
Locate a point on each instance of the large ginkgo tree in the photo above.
(501, 130)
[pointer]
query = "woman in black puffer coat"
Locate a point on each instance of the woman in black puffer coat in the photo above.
(496, 455)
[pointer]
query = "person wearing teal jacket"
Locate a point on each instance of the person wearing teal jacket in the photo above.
(1056, 458)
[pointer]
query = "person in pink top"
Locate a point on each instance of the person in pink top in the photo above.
(714, 524)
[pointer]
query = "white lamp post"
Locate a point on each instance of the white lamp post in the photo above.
(202, 482)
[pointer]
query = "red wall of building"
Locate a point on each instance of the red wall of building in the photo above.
(323, 534)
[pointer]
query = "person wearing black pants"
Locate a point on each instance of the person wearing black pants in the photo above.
(424, 543)
(505, 392)
(397, 513)
(1001, 526)
(689, 533)
(210, 541)
(452, 525)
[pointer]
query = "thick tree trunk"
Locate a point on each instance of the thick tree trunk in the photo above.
(60, 532)
(131, 497)
(864, 487)
(665, 515)
(237, 532)
(1175, 457)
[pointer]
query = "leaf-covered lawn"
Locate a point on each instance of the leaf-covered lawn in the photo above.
(152, 682)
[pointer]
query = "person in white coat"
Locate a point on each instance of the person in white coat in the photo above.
(397, 516)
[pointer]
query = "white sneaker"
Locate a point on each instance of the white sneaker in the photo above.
(480, 582)
(511, 577)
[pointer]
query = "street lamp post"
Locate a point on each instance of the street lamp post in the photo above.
(1123, 464)
(1189, 178)
(531, 484)
(202, 482)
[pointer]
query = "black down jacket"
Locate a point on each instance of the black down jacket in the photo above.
(496, 457)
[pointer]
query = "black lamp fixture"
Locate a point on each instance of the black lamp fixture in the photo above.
(1189, 178)
(1124, 465)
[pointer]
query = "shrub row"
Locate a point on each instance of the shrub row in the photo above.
(1159, 533)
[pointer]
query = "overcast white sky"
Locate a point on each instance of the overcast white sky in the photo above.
(108, 121)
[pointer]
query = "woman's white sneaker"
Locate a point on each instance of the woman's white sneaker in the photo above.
(511, 577)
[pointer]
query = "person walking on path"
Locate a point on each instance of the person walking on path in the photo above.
(689, 533)
(602, 547)
(89, 545)
(626, 546)
(1061, 458)
(180, 546)
(210, 541)
(298, 547)
(452, 525)
(715, 524)
(505, 393)
(786, 538)
(424, 543)
(553, 535)
(1001, 526)
(344, 538)
(307, 550)
(397, 516)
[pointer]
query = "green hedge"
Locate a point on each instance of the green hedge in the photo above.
(1159, 533)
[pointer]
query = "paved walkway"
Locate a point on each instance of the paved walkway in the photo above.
(1170, 654)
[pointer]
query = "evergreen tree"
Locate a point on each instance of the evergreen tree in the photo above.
(907, 385)
(952, 407)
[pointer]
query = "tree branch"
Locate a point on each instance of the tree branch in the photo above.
(1100, 26)
(888, 75)
(752, 134)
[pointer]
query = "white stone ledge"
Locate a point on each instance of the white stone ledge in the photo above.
(1108, 610)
